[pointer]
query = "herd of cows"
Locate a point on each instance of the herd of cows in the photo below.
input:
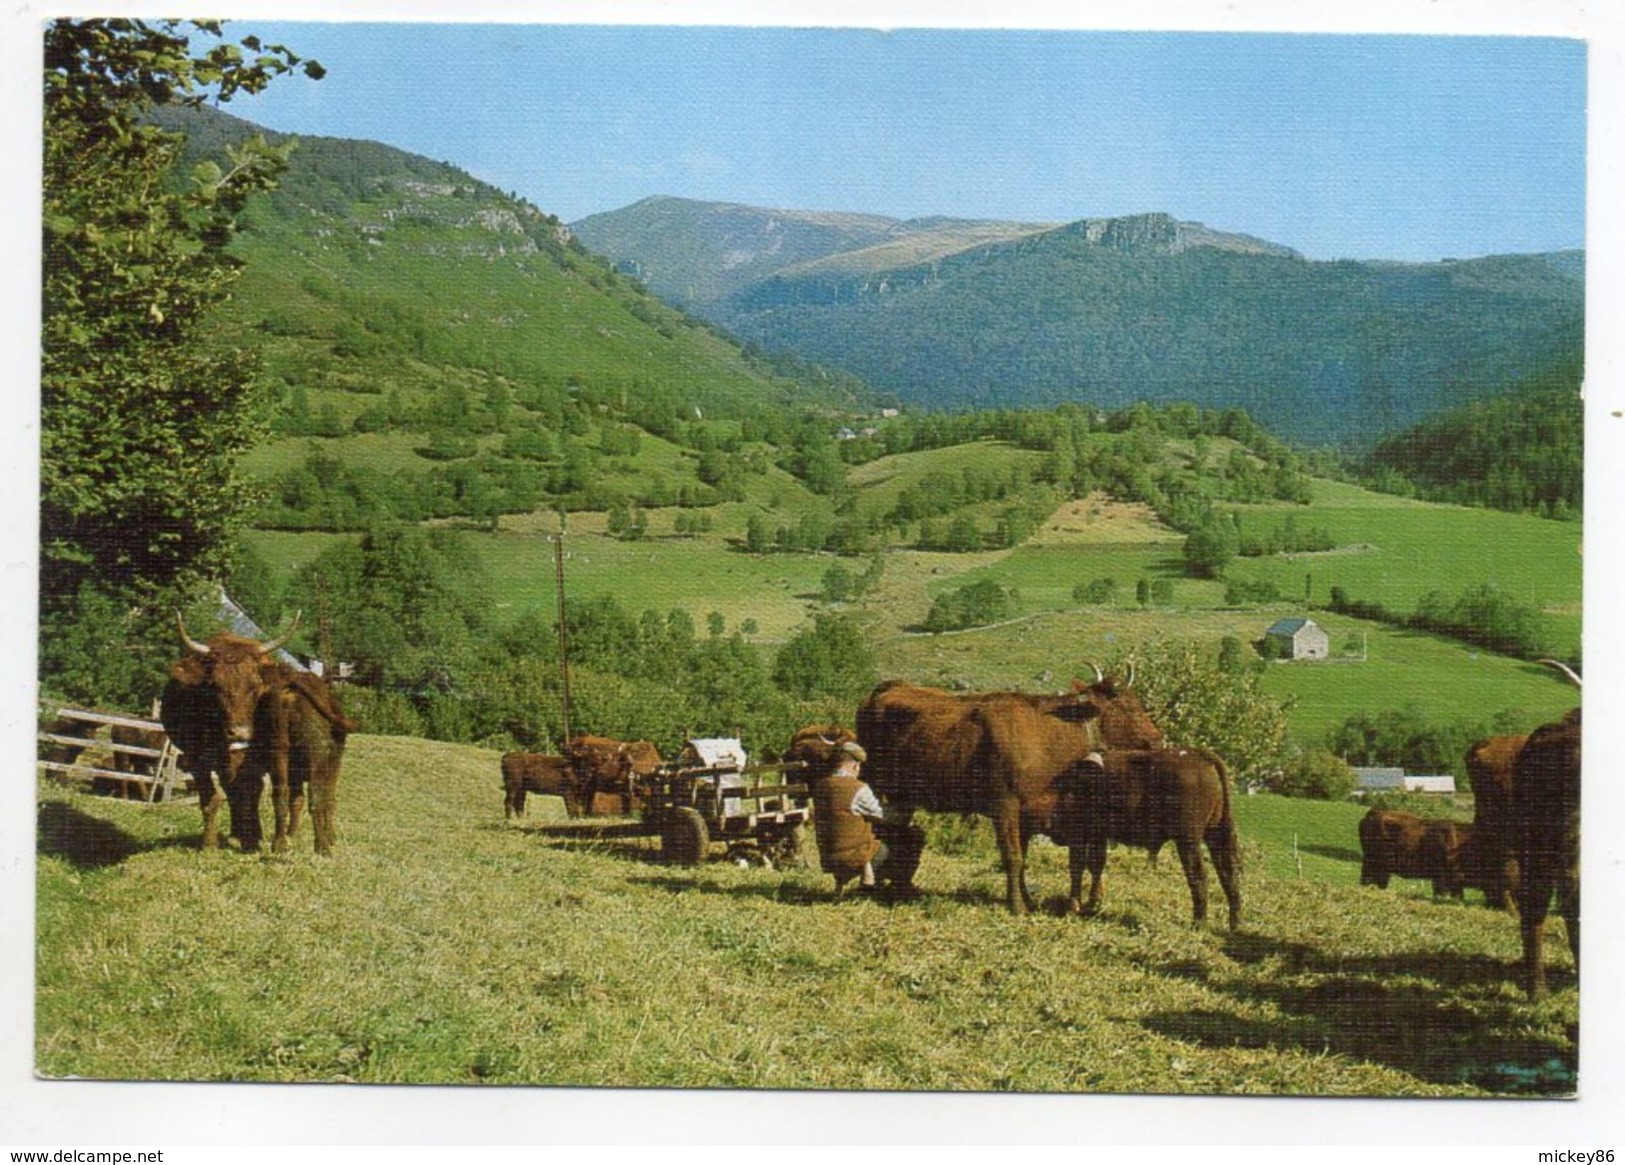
(1086, 768)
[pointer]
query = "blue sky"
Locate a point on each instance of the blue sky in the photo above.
(1343, 146)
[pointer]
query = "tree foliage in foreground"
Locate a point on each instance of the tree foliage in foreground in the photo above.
(142, 419)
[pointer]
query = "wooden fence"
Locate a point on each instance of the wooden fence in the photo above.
(150, 773)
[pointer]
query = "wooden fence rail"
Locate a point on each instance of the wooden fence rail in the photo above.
(62, 750)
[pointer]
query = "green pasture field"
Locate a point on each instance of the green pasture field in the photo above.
(700, 575)
(882, 481)
(1446, 681)
(442, 945)
(1393, 551)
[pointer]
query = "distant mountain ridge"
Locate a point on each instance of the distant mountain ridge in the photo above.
(951, 313)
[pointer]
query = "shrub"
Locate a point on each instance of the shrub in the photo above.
(1096, 593)
(832, 658)
(1314, 773)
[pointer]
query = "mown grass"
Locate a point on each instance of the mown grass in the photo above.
(442, 945)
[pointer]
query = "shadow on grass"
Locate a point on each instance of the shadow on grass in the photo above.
(90, 843)
(1438, 1016)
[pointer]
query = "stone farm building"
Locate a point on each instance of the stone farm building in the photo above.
(1297, 639)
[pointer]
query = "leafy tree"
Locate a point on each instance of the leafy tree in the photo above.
(1211, 548)
(839, 585)
(1197, 704)
(142, 421)
(404, 604)
(973, 605)
(1097, 592)
(831, 658)
(756, 533)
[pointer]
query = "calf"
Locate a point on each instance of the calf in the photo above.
(1407, 846)
(546, 776)
(1149, 797)
(298, 741)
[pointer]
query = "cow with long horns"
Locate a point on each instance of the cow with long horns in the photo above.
(237, 713)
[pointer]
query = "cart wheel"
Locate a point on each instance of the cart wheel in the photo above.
(748, 857)
(684, 837)
(789, 852)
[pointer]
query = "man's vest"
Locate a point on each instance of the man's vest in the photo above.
(845, 841)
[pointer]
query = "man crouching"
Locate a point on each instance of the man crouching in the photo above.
(855, 839)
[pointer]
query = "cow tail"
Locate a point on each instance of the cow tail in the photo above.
(1228, 820)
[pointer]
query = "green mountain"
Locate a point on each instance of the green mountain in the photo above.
(371, 271)
(1110, 311)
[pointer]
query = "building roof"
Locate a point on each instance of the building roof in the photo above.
(238, 620)
(1380, 778)
(1290, 626)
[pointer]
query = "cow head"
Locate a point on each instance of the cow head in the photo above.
(1123, 720)
(818, 746)
(599, 763)
(232, 673)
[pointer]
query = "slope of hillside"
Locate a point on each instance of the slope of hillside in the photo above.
(371, 270)
(443, 946)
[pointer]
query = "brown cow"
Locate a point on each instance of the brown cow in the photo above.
(299, 735)
(1489, 769)
(211, 708)
(1407, 846)
(997, 754)
(1148, 797)
(208, 708)
(546, 776)
(606, 772)
(1546, 806)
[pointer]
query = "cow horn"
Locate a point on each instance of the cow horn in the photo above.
(1100, 676)
(1564, 668)
(192, 644)
(268, 648)
(1129, 683)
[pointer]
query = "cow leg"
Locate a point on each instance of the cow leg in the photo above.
(1090, 855)
(210, 798)
(324, 791)
(514, 804)
(1568, 905)
(280, 799)
(1007, 828)
(1190, 859)
(1537, 889)
(1224, 847)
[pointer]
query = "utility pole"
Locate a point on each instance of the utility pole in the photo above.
(564, 634)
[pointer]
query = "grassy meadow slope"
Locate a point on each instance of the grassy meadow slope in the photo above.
(442, 945)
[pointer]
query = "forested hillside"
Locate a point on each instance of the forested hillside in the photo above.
(1114, 311)
(1524, 451)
